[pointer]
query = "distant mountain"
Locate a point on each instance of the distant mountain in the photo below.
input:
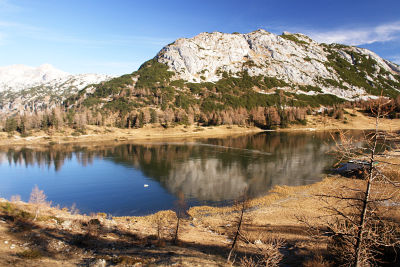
(28, 88)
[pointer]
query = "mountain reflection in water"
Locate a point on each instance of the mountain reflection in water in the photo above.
(210, 171)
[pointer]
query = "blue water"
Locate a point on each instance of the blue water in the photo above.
(110, 178)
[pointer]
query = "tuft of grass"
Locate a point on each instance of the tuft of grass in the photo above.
(317, 261)
(30, 254)
(127, 261)
(102, 215)
(79, 132)
(8, 208)
(11, 210)
(48, 218)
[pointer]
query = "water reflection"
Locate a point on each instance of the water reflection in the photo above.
(210, 171)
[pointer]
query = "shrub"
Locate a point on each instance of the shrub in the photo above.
(37, 198)
(11, 125)
(293, 38)
(30, 254)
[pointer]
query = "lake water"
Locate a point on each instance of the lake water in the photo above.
(111, 177)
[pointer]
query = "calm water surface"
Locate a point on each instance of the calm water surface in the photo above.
(110, 178)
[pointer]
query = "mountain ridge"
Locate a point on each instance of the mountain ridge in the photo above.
(294, 58)
(24, 88)
(258, 78)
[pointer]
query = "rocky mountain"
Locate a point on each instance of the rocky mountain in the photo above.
(24, 88)
(292, 58)
(258, 78)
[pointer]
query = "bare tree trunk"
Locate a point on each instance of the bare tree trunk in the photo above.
(180, 214)
(358, 230)
(177, 231)
(36, 213)
(237, 230)
(361, 227)
(359, 243)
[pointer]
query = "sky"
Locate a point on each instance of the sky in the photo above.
(117, 36)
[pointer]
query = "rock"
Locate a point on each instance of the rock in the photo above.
(258, 242)
(98, 263)
(294, 58)
(6, 242)
(66, 225)
(94, 222)
(12, 246)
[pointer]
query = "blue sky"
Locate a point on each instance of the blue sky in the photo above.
(115, 36)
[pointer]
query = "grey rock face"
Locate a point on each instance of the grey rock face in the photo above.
(294, 58)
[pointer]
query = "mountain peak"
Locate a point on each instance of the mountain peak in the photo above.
(18, 77)
(291, 57)
(48, 67)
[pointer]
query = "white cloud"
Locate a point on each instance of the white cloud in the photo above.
(380, 33)
(49, 35)
(2, 38)
(18, 26)
(114, 67)
(395, 59)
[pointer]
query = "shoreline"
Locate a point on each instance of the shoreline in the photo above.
(97, 134)
(353, 120)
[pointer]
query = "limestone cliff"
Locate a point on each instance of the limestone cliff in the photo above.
(294, 58)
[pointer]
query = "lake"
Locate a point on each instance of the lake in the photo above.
(125, 179)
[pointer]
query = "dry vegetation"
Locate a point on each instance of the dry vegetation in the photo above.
(271, 232)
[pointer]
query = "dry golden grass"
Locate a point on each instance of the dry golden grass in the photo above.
(101, 134)
(317, 261)
(356, 121)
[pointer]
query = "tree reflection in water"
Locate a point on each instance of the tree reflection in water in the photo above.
(212, 171)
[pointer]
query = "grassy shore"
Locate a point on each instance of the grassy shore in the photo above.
(353, 120)
(102, 134)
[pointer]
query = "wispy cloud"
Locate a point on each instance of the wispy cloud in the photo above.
(2, 38)
(19, 26)
(114, 67)
(358, 36)
(6, 6)
(9, 29)
(49, 35)
(395, 59)
(106, 41)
